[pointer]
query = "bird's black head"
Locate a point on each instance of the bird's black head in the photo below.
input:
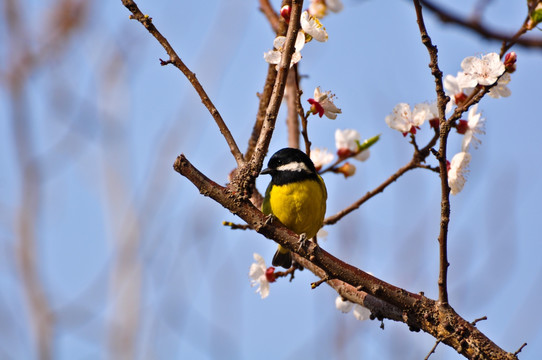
(288, 165)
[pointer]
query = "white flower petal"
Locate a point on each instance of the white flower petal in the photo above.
(299, 41)
(312, 26)
(476, 125)
(278, 43)
(361, 313)
(400, 118)
(501, 90)
(458, 170)
(321, 157)
(420, 113)
(257, 276)
(263, 289)
(451, 87)
(319, 95)
(272, 56)
(346, 139)
(343, 305)
(325, 99)
(362, 156)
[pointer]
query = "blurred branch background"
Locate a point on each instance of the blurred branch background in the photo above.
(105, 252)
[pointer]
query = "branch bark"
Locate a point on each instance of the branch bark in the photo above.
(442, 99)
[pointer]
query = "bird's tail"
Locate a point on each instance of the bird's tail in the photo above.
(283, 257)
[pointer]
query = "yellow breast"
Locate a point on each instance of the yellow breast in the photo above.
(300, 206)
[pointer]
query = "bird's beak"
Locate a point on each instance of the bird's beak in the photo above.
(266, 171)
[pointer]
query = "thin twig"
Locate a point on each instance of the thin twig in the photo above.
(432, 350)
(174, 59)
(315, 284)
(290, 272)
(442, 99)
(520, 348)
(303, 115)
(235, 226)
(476, 321)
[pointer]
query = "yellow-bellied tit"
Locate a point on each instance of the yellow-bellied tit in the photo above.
(296, 196)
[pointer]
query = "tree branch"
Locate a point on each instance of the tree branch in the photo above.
(417, 311)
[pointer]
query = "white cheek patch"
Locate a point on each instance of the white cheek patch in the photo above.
(294, 166)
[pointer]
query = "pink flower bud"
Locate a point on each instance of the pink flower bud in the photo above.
(270, 274)
(285, 13)
(510, 61)
(462, 126)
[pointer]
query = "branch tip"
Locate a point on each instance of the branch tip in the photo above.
(478, 320)
(315, 284)
(520, 348)
(165, 62)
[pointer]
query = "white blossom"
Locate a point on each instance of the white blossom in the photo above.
(406, 120)
(360, 313)
(481, 71)
(312, 26)
(500, 89)
(458, 171)
(322, 104)
(347, 141)
(475, 126)
(343, 305)
(321, 157)
(454, 84)
(274, 56)
(257, 274)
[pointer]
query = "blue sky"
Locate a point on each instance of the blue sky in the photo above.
(109, 194)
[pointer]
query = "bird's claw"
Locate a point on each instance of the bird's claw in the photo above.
(302, 241)
(269, 219)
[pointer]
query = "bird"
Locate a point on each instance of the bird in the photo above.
(296, 196)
